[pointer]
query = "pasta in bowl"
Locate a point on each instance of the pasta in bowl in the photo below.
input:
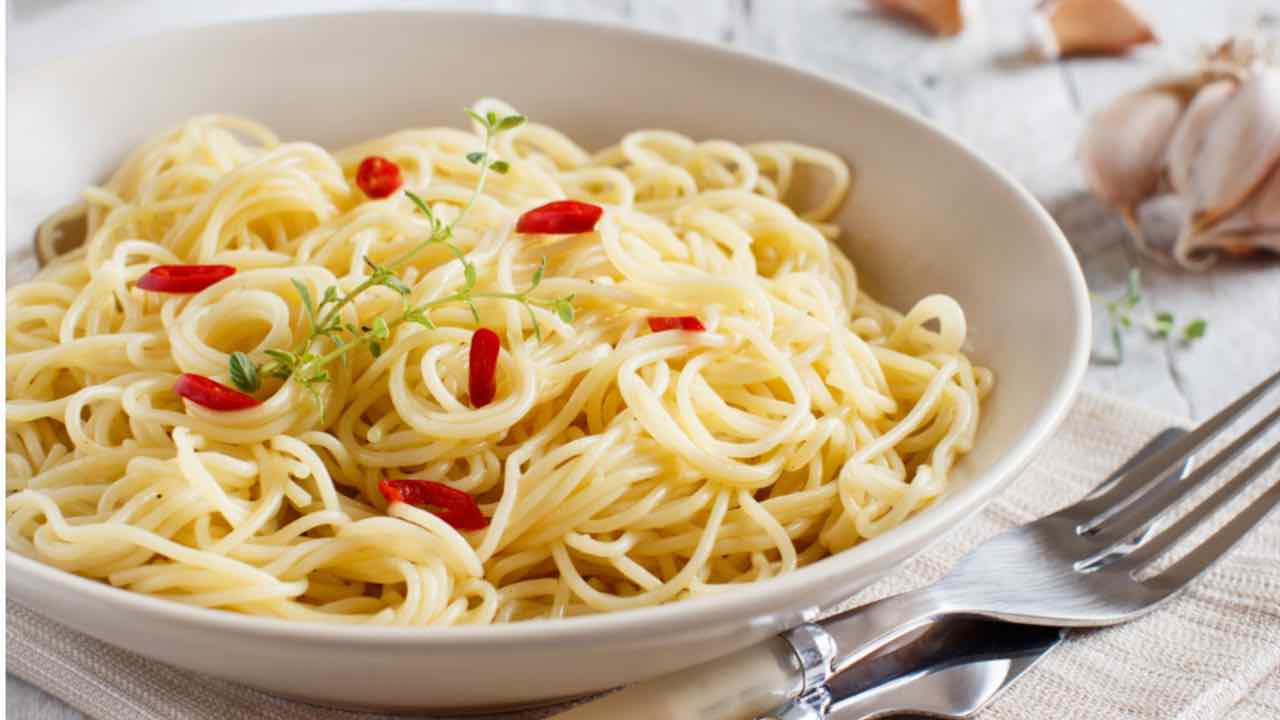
(474, 376)
(405, 522)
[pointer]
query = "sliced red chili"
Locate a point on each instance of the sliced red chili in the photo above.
(562, 217)
(378, 177)
(183, 278)
(212, 394)
(483, 368)
(682, 322)
(450, 504)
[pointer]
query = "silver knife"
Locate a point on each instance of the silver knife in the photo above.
(950, 669)
(747, 683)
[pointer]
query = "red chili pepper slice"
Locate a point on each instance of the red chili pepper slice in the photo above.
(212, 394)
(378, 177)
(483, 368)
(562, 217)
(450, 504)
(183, 278)
(682, 322)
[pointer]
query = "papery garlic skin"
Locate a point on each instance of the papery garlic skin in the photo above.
(942, 17)
(1062, 28)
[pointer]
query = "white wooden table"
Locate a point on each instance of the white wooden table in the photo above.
(1024, 116)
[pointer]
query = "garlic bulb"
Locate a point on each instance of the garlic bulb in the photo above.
(1212, 138)
(942, 17)
(1087, 27)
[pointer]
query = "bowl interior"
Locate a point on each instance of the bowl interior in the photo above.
(925, 214)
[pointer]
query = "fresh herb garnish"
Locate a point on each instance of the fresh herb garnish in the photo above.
(1121, 318)
(308, 366)
(244, 373)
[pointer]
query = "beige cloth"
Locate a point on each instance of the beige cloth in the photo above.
(1211, 653)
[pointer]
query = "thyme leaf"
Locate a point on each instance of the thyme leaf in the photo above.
(1122, 316)
(308, 362)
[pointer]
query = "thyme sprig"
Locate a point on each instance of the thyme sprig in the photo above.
(1122, 317)
(307, 364)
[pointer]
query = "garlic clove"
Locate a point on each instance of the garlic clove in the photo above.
(1088, 27)
(1263, 209)
(1260, 211)
(1123, 148)
(1240, 149)
(1189, 134)
(941, 17)
(1250, 230)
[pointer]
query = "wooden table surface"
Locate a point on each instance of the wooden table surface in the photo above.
(1024, 116)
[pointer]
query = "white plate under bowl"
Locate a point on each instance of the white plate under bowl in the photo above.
(926, 215)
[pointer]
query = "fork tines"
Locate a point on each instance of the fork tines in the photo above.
(1140, 497)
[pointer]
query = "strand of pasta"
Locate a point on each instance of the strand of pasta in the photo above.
(619, 467)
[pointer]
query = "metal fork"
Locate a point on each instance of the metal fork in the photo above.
(1079, 566)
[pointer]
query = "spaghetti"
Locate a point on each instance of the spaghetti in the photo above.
(618, 464)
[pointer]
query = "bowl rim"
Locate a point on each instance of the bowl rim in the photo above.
(769, 597)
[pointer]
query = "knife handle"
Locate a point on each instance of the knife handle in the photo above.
(740, 685)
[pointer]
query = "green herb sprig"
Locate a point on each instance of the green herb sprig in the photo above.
(308, 366)
(1122, 317)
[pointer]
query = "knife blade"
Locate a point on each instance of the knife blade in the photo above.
(952, 669)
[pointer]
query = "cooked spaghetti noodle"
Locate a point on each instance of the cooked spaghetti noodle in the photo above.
(618, 467)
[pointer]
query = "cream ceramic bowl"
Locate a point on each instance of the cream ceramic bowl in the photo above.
(927, 215)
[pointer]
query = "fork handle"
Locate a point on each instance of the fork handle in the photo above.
(751, 680)
(851, 636)
(740, 685)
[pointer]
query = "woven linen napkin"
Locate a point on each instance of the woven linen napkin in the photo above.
(1213, 652)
